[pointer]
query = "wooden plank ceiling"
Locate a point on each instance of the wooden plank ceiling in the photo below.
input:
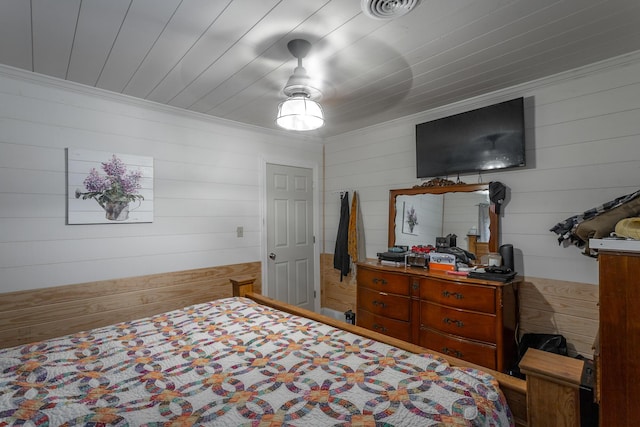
(228, 58)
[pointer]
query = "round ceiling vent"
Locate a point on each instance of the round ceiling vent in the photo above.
(388, 9)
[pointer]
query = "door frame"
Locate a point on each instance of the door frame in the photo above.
(315, 168)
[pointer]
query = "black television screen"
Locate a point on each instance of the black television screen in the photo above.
(485, 139)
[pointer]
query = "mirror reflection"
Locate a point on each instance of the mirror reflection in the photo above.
(421, 218)
(419, 215)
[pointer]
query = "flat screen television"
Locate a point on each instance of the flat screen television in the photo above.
(485, 139)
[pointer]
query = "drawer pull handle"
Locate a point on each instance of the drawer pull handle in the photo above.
(379, 327)
(449, 351)
(456, 295)
(381, 281)
(458, 323)
(379, 303)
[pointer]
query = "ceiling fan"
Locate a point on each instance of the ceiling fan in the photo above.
(300, 111)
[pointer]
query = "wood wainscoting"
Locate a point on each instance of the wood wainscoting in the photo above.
(33, 315)
(335, 294)
(546, 306)
(559, 307)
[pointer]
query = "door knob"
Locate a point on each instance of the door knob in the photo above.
(272, 255)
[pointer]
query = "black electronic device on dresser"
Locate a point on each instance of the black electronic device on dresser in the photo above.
(471, 319)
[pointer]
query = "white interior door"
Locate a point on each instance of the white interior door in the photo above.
(290, 242)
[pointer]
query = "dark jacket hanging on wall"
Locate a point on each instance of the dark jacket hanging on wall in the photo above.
(341, 258)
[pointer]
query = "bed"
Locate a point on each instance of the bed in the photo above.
(249, 360)
(236, 362)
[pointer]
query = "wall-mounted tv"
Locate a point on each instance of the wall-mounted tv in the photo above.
(485, 139)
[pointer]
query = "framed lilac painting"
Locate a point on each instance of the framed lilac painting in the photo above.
(108, 188)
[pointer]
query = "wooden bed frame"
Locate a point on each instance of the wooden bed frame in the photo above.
(549, 396)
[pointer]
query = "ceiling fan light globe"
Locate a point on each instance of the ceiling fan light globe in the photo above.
(300, 113)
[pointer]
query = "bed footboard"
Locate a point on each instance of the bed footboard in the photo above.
(513, 388)
(553, 388)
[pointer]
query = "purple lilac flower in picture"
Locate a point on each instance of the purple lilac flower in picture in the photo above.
(113, 191)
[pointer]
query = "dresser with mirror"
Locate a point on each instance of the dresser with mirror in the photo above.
(470, 319)
(462, 209)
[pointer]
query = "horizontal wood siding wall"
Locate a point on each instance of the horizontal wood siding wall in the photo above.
(208, 178)
(582, 133)
(27, 316)
(559, 307)
(336, 295)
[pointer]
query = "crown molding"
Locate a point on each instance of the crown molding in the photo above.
(81, 89)
(501, 94)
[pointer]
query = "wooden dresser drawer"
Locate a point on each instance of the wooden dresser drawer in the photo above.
(469, 297)
(384, 325)
(385, 282)
(470, 319)
(388, 305)
(477, 326)
(474, 352)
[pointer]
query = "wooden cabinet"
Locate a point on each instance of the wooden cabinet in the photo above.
(470, 319)
(619, 337)
(384, 302)
(466, 320)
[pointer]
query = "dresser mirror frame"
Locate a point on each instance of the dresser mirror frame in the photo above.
(494, 219)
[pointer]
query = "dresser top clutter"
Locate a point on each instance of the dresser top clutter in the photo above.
(440, 275)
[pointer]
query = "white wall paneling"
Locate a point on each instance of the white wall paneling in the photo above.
(207, 182)
(582, 149)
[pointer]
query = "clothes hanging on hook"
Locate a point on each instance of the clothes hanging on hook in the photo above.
(356, 231)
(341, 258)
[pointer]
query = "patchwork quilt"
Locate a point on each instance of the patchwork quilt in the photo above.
(233, 362)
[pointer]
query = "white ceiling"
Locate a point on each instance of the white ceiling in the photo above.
(228, 58)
